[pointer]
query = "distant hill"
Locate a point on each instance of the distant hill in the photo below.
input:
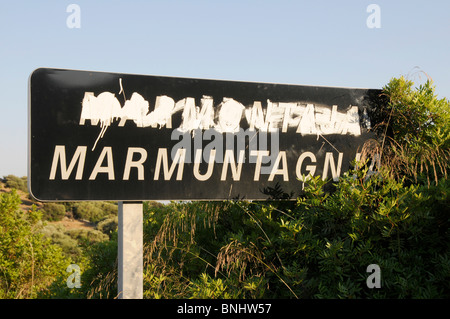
(68, 221)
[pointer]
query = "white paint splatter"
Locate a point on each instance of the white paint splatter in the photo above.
(104, 108)
(230, 115)
(134, 109)
(307, 119)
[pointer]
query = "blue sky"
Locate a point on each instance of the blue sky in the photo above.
(326, 43)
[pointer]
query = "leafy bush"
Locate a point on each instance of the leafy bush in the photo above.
(208, 288)
(53, 211)
(28, 262)
(58, 236)
(87, 237)
(98, 266)
(94, 211)
(73, 242)
(418, 132)
(320, 248)
(108, 226)
(99, 280)
(19, 183)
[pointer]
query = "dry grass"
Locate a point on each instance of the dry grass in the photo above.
(371, 154)
(102, 285)
(412, 162)
(179, 223)
(235, 257)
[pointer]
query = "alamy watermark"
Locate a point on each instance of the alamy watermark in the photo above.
(373, 21)
(74, 280)
(374, 280)
(263, 147)
(73, 21)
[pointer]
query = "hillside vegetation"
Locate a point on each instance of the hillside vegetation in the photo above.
(395, 216)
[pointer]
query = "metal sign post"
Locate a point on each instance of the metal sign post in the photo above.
(130, 250)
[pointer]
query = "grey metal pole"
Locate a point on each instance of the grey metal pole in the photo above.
(130, 250)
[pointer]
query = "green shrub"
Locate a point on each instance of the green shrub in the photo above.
(94, 211)
(208, 288)
(319, 248)
(58, 235)
(19, 183)
(53, 211)
(108, 226)
(98, 266)
(417, 144)
(87, 237)
(99, 280)
(29, 263)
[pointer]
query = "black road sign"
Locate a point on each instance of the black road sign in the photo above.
(109, 136)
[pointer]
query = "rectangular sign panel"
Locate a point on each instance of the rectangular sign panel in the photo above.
(108, 136)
